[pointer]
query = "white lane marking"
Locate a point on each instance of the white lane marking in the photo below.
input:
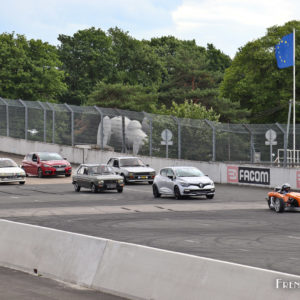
(245, 250)
(14, 197)
(294, 237)
(191, 241)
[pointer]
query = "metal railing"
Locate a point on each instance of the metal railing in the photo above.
(141, 132)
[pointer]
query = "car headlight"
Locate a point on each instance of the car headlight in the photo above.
(47, 166)
(120, 181)
(183, 183)
(130, 174)
(100, 181)
(152, 173)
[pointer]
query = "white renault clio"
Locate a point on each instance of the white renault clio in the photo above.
(182, 182)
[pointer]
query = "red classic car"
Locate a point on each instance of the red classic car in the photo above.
(46, 164)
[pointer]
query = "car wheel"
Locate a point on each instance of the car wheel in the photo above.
(209, 196)
(94, 189)
(21, 182)
(67, 175)
(40, 173)
(279, 205)
(120, 190)
(150, 182)
(156, 193)
(76, 187)
(124, 179)
(177, 193)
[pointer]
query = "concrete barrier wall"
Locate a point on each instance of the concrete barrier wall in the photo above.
(219, 172)
(134, 271)
(69, 257)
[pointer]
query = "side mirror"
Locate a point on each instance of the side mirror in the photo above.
(172, 177)
(147, 165)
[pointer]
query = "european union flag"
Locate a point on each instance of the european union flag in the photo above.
(284, 51)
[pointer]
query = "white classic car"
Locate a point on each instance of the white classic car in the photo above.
(132, 169)
(10, 172)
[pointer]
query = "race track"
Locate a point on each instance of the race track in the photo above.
(235, 226)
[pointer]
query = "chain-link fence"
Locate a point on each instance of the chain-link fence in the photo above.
(147, 134)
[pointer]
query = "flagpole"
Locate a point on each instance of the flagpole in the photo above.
(294, 96)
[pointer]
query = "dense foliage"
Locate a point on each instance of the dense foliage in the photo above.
(30, 70)
(254, 81)
(163, 75)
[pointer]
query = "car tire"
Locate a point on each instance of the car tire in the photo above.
(21, 182)
(120, 190)
(156, 193)
(67, 175)
(150, 182)
(94, 189)
(124, 179)
(177, 194)
(76, 187)
(40, 173)
(210, 196)
(279, 205)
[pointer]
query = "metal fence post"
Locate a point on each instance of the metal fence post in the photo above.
(53, 122)
(179, 136)
(150, 133)
(72, 122)
(210, 124)
(251, 142)
(45, 120)
(26, 117)
(101, 126)
(7, 116)
(285, 140)
(124, 149)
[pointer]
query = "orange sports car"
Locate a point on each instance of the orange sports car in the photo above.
(282, 197)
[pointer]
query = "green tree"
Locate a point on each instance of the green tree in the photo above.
(130, 97)
(136, 61)
(254, 81)
(30, 70)
(189, 110)
(87, 57)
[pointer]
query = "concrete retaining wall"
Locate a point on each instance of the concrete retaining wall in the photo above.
(219, 172)
(134, 271)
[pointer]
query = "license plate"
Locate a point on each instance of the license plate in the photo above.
(60, 169)
(111, 186)
(143, 177)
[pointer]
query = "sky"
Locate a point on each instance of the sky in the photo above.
(228, 24)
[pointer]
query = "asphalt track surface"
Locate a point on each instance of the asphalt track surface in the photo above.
(235, 226)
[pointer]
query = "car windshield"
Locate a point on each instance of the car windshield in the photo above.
(101, 170)
(188, 172)
(131, 162)
(7, 163)
(50, 156)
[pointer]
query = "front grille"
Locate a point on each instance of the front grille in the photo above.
(201, 185)
(142, 173)
(110, 181)
(59, 166)
(10, 177)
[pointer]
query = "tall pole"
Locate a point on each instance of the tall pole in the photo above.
(294, 96)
